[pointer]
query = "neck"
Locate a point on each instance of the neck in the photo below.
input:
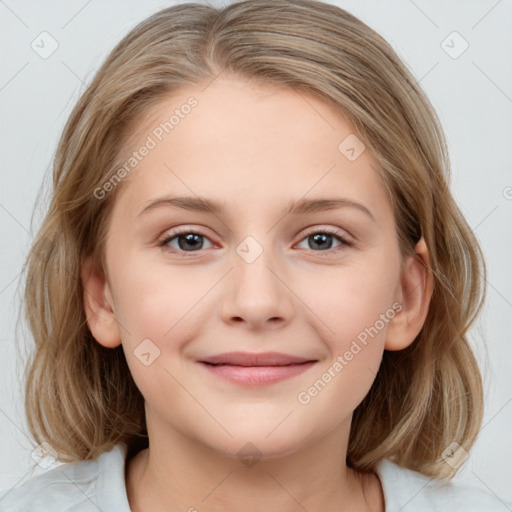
(177, 473)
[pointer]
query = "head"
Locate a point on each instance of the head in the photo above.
(100, 282)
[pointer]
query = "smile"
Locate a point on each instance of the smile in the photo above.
(256, 375)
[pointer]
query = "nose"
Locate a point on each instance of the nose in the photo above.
(256, 292)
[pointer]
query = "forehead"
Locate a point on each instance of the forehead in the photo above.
(240, 140)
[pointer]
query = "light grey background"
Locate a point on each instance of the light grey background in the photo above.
(472, 94)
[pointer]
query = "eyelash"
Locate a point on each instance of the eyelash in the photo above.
(187, 231)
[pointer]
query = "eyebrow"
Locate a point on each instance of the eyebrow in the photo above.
(302, 206)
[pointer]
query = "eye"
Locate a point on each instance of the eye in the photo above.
(322, 239)
(188, 240)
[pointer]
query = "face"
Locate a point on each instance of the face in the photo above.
(186, 283)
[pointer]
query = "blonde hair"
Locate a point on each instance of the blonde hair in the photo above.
(81, 397)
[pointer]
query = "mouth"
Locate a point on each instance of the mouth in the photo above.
(256, 369)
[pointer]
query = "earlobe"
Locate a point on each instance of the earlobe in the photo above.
(415, 292)
(98, 306)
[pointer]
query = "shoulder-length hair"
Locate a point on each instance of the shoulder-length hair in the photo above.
(81, 397)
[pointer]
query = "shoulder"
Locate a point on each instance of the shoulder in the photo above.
(406, 491)
(85, 486)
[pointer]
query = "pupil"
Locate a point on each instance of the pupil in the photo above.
(320, 238)
(190, 239)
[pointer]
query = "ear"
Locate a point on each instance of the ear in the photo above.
(414, 294)
(98, 306)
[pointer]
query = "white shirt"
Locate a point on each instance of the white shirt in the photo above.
(99, 485)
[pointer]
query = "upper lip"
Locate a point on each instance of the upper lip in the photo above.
(254, 359)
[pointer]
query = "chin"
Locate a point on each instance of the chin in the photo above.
(253, 444)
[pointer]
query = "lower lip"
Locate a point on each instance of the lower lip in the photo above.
(257, 375)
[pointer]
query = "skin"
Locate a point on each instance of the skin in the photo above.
(255, 148)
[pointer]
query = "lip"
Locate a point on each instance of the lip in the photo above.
(254, 359)
(255, 369)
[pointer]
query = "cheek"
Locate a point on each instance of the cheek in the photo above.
(350, 299)
(162, 304)
(167, 306)
(352, 316)
(158, 313)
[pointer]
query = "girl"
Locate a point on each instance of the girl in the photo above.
(253, 287)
